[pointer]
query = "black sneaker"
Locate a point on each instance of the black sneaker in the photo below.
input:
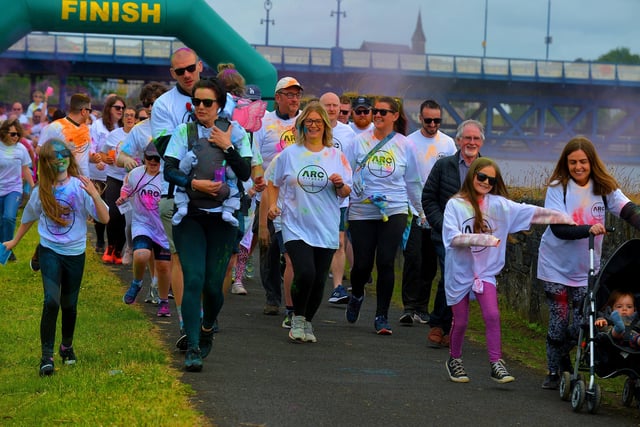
(182, 342)
(68, 356)
(46, 366)
(206, 342)
(551, 382)
(406, 319)
(456, 371)
(193, 360)
(499, 372)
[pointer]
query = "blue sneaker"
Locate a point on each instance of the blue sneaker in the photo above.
(132, 293)
(353, 309)
(339, 295)
(382, 326)
(193, 360)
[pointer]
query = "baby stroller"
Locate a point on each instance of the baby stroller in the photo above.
(597, 352)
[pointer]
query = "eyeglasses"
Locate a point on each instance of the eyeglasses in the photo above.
(482, 177)
(361, 112)
(180, 71)
(130, 115)
(382, 111)
(207, 102)
(118, 107)
(344, 112)
(429, 120)
(13, 134)
(152, 158)
(313, 122)
(291, 95)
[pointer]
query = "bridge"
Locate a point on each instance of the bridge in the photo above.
(530, 107)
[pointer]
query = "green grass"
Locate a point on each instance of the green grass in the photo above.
(123, 375)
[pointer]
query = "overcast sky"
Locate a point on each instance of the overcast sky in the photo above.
(516, 28)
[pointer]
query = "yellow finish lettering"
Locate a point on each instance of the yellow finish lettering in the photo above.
(115, 13)
(68, 7)
(130, 12)
(95, 11)
(83, 10)
(153, 13)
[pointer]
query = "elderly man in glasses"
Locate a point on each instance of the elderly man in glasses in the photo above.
(444, 181)
(420, 259)
(361, 116)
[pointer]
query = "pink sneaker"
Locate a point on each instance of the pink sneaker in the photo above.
(163, 309)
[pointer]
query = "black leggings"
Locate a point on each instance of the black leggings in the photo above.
(379, 241)
(310, 270)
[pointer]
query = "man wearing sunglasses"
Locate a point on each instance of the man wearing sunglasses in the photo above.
(345, 109)
(276, 133)
(444, 181)
(361, 117)
(420, 259)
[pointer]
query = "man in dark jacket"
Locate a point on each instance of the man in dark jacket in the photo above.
(444, 181)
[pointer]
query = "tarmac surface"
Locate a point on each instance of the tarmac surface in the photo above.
(256, 376)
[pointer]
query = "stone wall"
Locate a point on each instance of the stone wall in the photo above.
(518, 283)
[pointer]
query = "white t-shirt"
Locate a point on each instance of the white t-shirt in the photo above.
(144, 192)
(112, 147)
(269, 174)
(429, 150)
(567, 261)
(135, 143)
(357, 130)
(12, 159)
(310, 207)
(464, 264)
(392, 171)
(68, 239)
(169, 110)
(343, 137)
(99, 133)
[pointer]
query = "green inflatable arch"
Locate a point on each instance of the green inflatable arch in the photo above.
(192, 21)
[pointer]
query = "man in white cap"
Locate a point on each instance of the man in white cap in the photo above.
(276, 133)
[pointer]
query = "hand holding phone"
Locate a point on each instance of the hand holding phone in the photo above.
(222, 124)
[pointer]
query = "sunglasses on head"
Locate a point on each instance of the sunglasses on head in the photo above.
(207, 102)
(361, 112)
(152, 158)
(118, 107)
(429, 120)
(482, 177)
(180, 71)
(382, 111)
(13, 134)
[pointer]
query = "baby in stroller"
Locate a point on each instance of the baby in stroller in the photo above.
(621, 319)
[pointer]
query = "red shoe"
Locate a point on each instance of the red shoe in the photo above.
(117, 257)
(435, 336)
(107, 257)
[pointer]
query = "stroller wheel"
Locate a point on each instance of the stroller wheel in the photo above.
(593, 399)
(628, 391)
(565, 386)
(577, 396)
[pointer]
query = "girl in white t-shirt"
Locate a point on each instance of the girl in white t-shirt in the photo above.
(581, 186)
(61, 204)
(476, 220)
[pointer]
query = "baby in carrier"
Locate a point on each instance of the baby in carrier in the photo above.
(621, 319)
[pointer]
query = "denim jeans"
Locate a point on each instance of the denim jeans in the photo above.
(61, 279)
(9, 205)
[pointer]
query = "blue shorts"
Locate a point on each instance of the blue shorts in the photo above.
(159, 253)
(343, 219)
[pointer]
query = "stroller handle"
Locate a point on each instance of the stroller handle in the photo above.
(592, 237)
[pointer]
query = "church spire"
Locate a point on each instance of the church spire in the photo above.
(418, 40)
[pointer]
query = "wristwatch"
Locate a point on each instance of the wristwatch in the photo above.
(228, 149)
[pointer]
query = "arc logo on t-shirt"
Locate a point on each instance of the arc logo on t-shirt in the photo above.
(382, 164)
(313, 179)
(337, 144)
(467, 228)
(60, 230)
(287, 138)
(598, 210)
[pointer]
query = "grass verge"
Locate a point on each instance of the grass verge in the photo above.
(123, 375)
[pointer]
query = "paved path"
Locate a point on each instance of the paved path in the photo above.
(351, 377)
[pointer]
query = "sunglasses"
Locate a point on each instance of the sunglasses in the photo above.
(87, 109)
(180, 71)
(118, 107)
(429, 120)
(344, 112)
(13, 134)
(361, 112)
(382, 111)
(152, 158)
(63, 154)
(207, 102)
(484, 177)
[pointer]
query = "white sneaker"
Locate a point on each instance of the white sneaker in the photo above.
(238, 289)
(127, 257)
(308, 333)
(296, 333)
(152, 296)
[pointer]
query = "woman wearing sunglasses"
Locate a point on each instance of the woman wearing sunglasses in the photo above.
(14, 169)
(109, 187)
(477, 222)
(386, 178)
(203, 239)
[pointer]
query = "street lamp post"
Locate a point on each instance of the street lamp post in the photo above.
(267, 6)
(548, 39)
(486, 16)
(338, 13)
